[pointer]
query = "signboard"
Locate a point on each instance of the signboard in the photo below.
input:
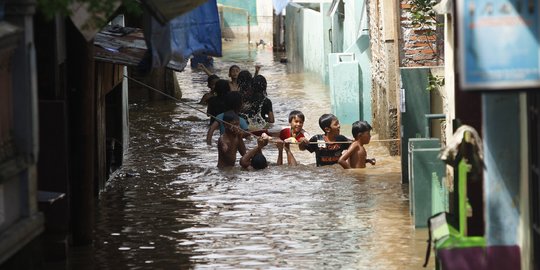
(498, 44)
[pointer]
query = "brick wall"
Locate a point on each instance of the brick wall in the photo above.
(417, 46)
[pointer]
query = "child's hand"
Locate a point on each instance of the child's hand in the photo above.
(303, 141)
(257, 68)
(201, 66)
(262, 141)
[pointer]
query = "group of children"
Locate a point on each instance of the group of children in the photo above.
(330, 148)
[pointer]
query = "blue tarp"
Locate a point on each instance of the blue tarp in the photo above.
(195, 32)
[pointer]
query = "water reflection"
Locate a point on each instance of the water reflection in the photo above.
(171, 208)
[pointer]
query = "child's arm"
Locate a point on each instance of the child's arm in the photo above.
(202, 67)
(303, 143)
(241, 146)
(257, 68)
(245, 161)
(344, 159)
(279, 144)
(291, 160)
(270, 118)
(210, 133)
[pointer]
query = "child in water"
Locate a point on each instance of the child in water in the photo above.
(356, 155)
(295, 133)
(230, 142)
(256, 159)
(327, 152)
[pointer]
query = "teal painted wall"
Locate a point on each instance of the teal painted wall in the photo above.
(347, 38)
(500, 117)
(239, 18)
(345, 90)
(363, 56)
(305, 40)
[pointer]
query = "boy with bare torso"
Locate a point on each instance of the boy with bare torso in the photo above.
(230, 141)
(356, 155)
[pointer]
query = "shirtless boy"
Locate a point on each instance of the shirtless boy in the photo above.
(356, 155)
(230, 142)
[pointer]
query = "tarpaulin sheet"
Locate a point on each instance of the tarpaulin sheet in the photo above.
(194, 32)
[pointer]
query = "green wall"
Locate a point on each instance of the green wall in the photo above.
(239, 18)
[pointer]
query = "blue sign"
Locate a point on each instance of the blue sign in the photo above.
(498, 44)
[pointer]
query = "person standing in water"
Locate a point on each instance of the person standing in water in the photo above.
(356, 155)
(230, 142)
(256, 159)
(327, 151)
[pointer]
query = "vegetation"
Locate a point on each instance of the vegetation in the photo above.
(424, 18)
(434, 82)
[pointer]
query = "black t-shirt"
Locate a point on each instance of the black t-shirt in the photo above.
(331, 153)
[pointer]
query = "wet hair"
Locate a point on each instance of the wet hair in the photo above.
(298, 114)
(230, 116)
(326, 120)
(222, 87)
(258, 161)
(233, 101)
(233, 66)
(212, 77)
(359, 127)
(244, 78)
(259, 84)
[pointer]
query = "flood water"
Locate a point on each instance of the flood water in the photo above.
(170, 207)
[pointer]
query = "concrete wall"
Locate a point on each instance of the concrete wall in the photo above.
(246, 20)
(304, 40)
(384, 70)
(350, 36)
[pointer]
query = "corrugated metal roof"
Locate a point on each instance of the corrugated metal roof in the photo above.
(124, 46)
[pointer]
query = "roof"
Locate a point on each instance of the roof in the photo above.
(124, 46)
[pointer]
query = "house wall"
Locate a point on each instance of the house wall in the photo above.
(417, 46)
(358, 33)
(305, 40)
(237, 26)
(384, 70)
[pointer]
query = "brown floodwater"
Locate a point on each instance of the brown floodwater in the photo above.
(170, 207)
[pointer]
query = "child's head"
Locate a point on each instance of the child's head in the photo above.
(233, 71)
(259, 84)
(212, 79)
(296, 120)
(222, 88)
(361, 130)
(244, 78)
(233, 101)
(258, 161)
(329, 123)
